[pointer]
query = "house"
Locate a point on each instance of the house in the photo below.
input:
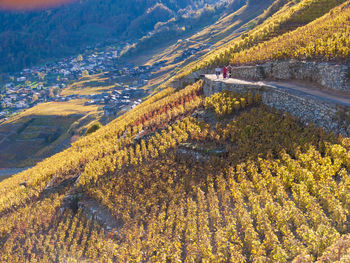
(76, 68)
(13, 97)
(117, 92)
(144, 68)
(64, 72)
(21, 105)
(9, 85)
(90, 102)
(21, 79)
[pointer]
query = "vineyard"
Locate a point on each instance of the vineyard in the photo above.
(306, 29)
(324, 39)
(249, 185)
(187, 178)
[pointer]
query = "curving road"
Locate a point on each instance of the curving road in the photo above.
(295, 88)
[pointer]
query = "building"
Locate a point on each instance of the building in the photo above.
(21, 79)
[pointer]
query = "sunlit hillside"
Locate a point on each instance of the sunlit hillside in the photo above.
(43, 130)
(327, 38)
(183, 177)
(48, 128)
(283, 27)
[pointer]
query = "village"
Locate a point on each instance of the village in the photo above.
(39, 84)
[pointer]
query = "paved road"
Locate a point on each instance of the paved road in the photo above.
(299, 89)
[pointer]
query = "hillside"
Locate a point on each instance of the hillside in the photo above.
(231, 177)
(325, 39)
(281, 29)
(183, 177)
(177, 48)
(43, 131)
(208, 29)
(205, 27)
(29, 38)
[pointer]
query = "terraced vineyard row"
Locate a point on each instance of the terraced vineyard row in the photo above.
(174, 208)
(326, 38)
(284, 29)
(259, 188)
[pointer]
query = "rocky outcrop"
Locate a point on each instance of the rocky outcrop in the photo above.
(328, 75)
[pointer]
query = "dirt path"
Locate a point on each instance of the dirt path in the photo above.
(296, 88)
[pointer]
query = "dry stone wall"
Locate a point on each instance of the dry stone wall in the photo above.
(306, 108)
(190, 79)
(332, 76)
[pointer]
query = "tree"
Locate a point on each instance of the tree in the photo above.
(2, 105)
(35, 98)
(51, 94)
(85, 73)
(93, 128)
(41, 75)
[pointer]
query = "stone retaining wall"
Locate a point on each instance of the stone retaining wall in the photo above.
(190, 79)
(328, 75)
(308, 110)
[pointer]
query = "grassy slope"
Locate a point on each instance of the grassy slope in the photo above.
(42, 131)
(228, 27)
(93, 84)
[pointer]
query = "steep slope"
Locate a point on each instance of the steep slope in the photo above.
(28, 38)
(186, 178)
(184, 188)
(325, 39)
(24, 128)
(291, 16)
(195, 40)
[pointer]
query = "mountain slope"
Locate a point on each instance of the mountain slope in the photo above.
(156, 186)
(28, 38)
(21, 131)
(288, 18)
(183, 177)
(324, 39)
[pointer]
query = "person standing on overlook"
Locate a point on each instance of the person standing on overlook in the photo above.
(229, 71)
(218, 71)
(224, 72)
